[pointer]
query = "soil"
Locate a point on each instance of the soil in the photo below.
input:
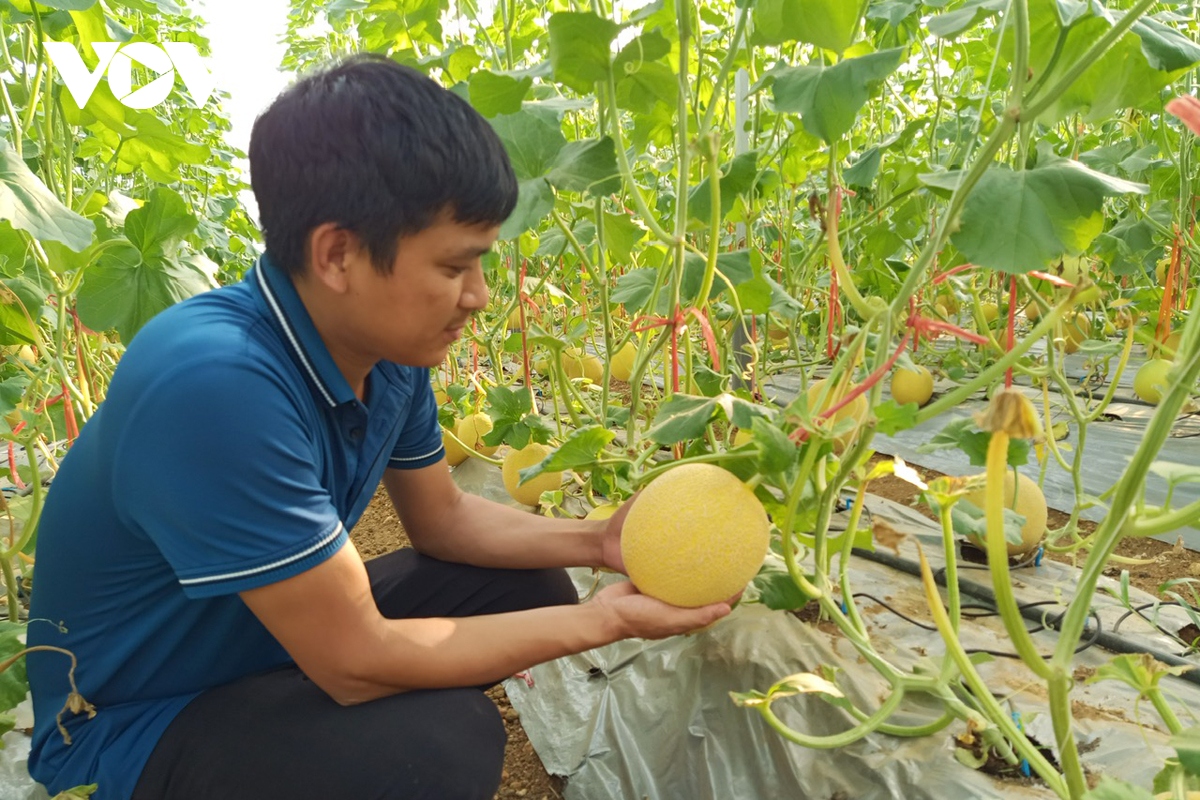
(379, 532)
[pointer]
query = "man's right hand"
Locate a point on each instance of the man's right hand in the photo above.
(639, 615)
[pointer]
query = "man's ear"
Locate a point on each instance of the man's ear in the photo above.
(331, 252)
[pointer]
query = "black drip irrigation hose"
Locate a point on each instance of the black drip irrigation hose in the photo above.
(1105, 639)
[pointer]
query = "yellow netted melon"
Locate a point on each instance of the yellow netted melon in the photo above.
(471, 431)
(455, 454)
(528, 493)
(578, 364)
(991, 312)
(1150, 382)
(912, 385)
(696, 535)
(1025, 497)
(620, 366)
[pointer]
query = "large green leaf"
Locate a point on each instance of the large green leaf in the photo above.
(13, 683)
(123, 291)
(29, 206)
(493, 93)
(826, 23)
(579, 48)
(588, 165)
(160, 225)
(21, 303)
(1018, 221)
(967, 16)
(1130, 75)
(532, 138)
(535, 198)
(828, 98)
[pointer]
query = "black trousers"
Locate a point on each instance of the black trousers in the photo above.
(277, 735)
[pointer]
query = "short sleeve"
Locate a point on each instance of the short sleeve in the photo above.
(420, 442)
(219, 465)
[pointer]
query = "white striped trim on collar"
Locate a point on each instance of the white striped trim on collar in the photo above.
(266, 567)
(291, 335)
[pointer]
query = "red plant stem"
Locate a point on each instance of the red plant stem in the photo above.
(524, 336)
(801, 434)
(474, 347)
(69, 413)
(1012, 326)
(12, 467)
(952, 271)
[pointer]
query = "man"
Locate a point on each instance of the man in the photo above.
(194, 546)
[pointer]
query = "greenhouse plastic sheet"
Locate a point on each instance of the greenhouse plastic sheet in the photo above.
(644, 719)
(1110, 444)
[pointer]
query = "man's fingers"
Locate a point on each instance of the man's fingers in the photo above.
(1187, 108)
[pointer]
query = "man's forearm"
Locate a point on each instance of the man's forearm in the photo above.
(473, 651)
(482, 533)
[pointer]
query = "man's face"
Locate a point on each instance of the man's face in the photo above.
(413, 315)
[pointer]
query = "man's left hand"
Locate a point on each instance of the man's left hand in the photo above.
(611, 546)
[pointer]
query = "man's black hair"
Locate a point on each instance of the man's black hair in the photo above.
(381, 150)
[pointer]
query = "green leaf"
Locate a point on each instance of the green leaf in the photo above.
(1165, 49)
(828, 99)
(123, 290)
(589, 165)
(29, 206)
(513, 420)
(891, 417)
(1130, 74)
(963, 434)
(13, 683)
(634, 288)
(535, 199)
(621, 235)
(642, 50)
(681, 418)
(579, 451)
(579, 48)
(653, 87)
(1187, 747)
(1017, 221)
(493, 93)
(776, 452)
(777, 591)
(737, 177)
(462, 62)
(1112, 789)
(159, 226)
(21, 305)
(864, 170)
(971, 14)
(970, 520)
(532, 138)
(830, 24)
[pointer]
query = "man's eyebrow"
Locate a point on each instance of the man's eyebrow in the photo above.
(471, 252)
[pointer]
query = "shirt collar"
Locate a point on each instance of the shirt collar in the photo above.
(303, 341)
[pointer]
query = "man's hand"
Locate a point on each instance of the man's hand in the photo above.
(639, 615)
(611, 546)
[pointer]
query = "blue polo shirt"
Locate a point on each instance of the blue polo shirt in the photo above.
(229, 453)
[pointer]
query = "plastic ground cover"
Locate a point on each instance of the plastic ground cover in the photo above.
(641, 719)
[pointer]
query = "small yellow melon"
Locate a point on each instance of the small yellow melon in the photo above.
(620, 366)
(1025, 497)
(471, 431)
(1150, 382)
(912, 385)
(528, 492)
(856, 409)
(455, 454)
(578, 364)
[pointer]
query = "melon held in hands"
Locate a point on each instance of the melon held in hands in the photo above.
(696, 535)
